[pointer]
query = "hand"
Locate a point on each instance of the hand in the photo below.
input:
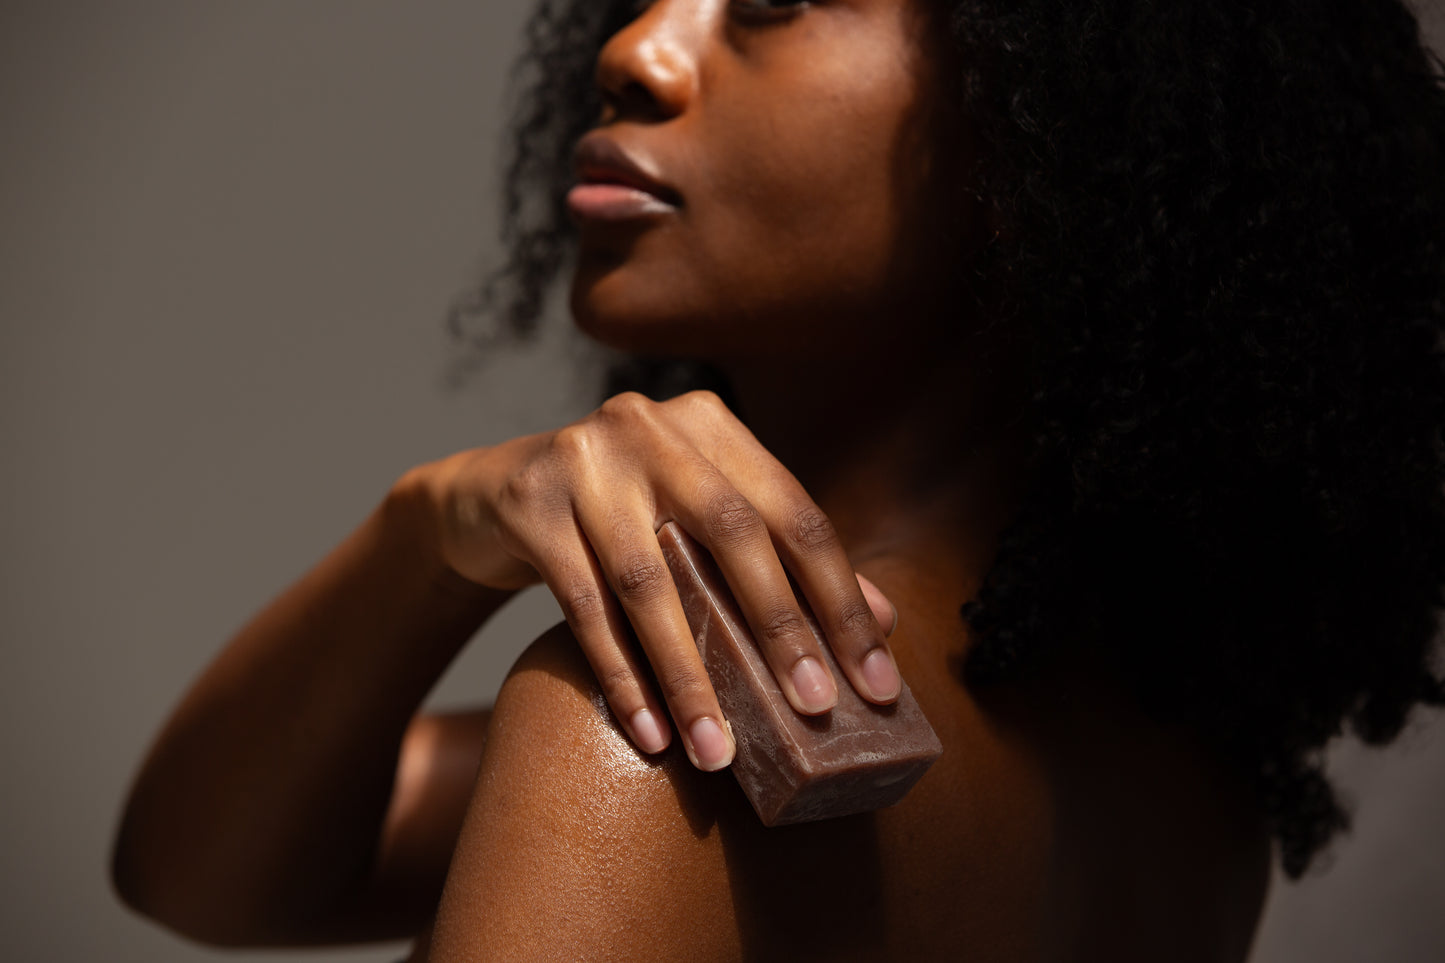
(579, 508)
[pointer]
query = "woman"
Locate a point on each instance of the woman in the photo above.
(1118, 324)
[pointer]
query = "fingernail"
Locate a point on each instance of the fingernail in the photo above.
(816, 691)
(881, 676)
(711, 750)
(894, 624)
(648, 731)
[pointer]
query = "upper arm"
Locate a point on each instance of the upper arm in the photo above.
(577, 846)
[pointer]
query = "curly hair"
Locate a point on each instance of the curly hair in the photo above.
(1223, 228)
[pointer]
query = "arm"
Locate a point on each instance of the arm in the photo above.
(258, 816)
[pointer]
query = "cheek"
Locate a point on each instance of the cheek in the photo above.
(819, 223)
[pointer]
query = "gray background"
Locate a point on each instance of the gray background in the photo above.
(228, 233)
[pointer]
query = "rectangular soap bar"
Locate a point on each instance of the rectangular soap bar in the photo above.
(855, 758)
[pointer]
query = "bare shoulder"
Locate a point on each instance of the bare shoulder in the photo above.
(575, 845)
(578, 847)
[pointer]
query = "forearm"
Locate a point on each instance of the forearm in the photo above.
(259, 808)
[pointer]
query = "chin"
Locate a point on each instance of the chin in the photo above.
(656, 337)
(649, 321)
(673, 314)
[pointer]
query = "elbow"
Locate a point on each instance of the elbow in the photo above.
(151, 876)
(165, 893)
(145, 889)
(209, 897)
(134, 881)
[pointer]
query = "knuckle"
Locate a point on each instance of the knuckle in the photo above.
(617, 681)
(858, 620)
(811, 530)
(781, 625)
(626, 406)
(703, 399)
(641, 577)
(574, 443)
(583, 606)
(683, 685)
(730, 516)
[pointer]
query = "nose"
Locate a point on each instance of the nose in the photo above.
(648, 70)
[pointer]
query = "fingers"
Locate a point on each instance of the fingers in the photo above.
(739, 540)
(804, 541)
(583, 510)
(628, 555)
(573, 575)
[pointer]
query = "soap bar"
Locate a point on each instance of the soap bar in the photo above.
(856, 757)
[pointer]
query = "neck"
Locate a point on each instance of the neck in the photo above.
(914, 457)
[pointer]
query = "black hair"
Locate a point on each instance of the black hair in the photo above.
(1223, 227)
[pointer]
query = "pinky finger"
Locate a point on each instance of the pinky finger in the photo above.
(596, 619)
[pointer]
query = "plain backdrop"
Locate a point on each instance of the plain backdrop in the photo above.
(229, 234)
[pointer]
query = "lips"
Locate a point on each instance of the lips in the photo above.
(615, 185)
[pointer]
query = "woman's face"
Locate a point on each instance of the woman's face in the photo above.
(768, 179)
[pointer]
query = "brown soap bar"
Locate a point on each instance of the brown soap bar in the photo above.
(794, 768)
